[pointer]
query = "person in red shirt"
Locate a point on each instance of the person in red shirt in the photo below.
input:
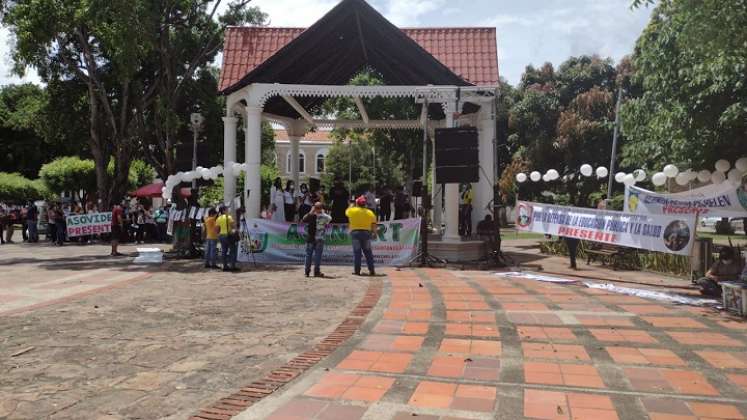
(117, 222)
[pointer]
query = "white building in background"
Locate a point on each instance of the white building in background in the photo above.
(312, 157)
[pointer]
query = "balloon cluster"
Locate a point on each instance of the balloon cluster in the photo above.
(724, 172)
(205, 173)
(554, 175)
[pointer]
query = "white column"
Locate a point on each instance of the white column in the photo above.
(435, 192)
(451, 197)
(253, 159)
(294, 142)
(484, 190)
(229, 155)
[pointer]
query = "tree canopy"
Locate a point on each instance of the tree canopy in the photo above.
(689, 67)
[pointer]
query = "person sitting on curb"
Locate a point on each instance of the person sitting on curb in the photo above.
(727, 268)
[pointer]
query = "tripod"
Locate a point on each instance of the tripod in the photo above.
(247, 237)
(425, 259)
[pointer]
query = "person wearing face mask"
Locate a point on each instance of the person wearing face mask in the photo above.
(728, 268)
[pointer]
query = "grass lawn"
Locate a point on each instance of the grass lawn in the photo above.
(736, 239)
(513, 234)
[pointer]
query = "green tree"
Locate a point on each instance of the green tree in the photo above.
(15, 188)
(69, 174)
(690, 65)
(133, 56)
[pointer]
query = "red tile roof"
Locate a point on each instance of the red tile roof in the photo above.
(320, 136)
(471, 53)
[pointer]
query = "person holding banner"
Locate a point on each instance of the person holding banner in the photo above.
(362, 230)
(316, 224)
(728, 268)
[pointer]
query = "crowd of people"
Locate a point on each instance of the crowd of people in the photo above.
(290, 205)
(142, 222)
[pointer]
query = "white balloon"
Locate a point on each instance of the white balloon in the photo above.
(717, 178)
(629, 180)
(602, 172)
(521, 178)
(553, 175)
(741, 164)
(723, 165)
(545, 178)
(735, 175)
(535, 176)
(671, 171)
(659, 179)
(682, 179)
(586, 169)
(620, 177)
(219, 169)
(640, 175)
(704, 175)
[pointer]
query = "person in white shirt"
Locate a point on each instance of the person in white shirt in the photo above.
(277, 202)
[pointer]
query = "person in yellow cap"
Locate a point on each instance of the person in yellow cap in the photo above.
(362, 227)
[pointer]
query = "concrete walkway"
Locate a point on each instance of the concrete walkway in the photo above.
(468, 345)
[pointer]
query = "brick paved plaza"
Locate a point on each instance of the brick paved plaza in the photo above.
(106, 339)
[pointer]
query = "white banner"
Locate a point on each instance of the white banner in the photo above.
(723, 200)
(285, 243)
(89, 224)
(670, 234)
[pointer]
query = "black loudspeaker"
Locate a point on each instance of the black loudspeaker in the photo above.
(417, 189)
(457, 155)
(314, 184)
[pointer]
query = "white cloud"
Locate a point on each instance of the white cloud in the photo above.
(410, 12)
(6, 63)
(294, 12)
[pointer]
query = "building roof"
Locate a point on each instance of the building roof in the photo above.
(319, 136)
(471, 53)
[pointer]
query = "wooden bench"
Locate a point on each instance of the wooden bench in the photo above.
(607, 254)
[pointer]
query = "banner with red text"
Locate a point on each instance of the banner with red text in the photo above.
(88, 224)
(673, 234)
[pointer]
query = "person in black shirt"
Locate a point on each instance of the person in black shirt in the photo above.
(32, 217)
(385, 204)
(402, 205)
(339, 197)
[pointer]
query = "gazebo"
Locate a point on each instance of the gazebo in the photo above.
(281, 75)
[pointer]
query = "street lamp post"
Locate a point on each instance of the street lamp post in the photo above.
(196, 120)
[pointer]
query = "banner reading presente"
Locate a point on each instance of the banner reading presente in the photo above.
(283, 243)
(670, 234)
(723, 200)
(89, 224)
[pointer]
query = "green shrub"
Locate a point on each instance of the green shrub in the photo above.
(15, 188)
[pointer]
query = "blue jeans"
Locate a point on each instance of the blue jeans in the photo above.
(211, 251)
(228, 248)
(362, 243)
(33, 233)
(314, 250)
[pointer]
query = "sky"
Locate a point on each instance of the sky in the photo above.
(529, 31)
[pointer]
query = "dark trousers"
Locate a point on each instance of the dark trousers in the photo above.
(465, 220)
(572, 244)
(314, 254)
(52, 232)
(23, 231)
(401, 213)
(709, 287)
(228, 249)
(362, 245)
(161, 228)
(290, 212)
(386, 213)
(61, 232)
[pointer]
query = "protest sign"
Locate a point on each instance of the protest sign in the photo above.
(283, 243)
(663, 233)
(723, 200)
(89, 224)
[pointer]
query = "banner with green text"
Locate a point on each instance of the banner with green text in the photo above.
(662, 233)
(284, 243)
(89, 224)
